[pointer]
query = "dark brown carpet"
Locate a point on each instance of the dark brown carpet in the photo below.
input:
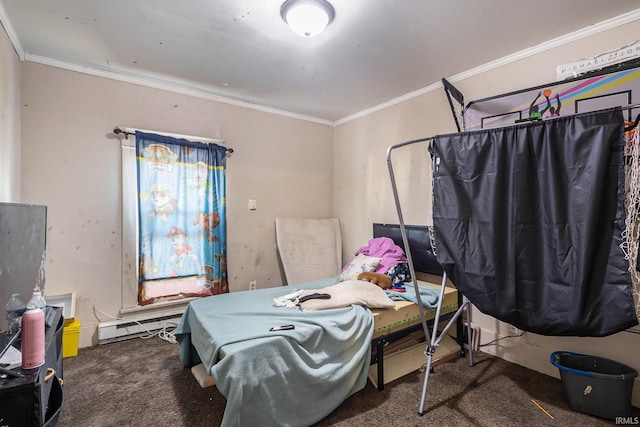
(141, 382)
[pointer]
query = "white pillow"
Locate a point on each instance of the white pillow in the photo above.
(360, 264)
(346, 293)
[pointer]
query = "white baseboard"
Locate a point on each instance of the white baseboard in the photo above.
(122, 329)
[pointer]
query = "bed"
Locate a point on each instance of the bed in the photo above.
(326, 357)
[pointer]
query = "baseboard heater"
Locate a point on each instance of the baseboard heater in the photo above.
(124, 329)
(475, 337)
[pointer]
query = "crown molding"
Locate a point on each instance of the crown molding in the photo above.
(205, 93)
(542, 47)
(168, 85)
(13, 37)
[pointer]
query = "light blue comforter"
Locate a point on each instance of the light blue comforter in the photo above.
(286, 378)
(428, 295)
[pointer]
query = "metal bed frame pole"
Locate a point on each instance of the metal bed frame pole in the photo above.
(434, 340)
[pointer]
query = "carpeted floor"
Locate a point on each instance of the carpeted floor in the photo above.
(141, 382)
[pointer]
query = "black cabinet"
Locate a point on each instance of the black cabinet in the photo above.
(36, 398)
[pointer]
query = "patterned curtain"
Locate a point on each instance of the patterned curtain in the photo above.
(182, 217)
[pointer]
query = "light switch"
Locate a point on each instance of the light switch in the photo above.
(253, 204)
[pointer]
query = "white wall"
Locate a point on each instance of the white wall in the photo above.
(71, 164)
(362, 189)
(9, 121)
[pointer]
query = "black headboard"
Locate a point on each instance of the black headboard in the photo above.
(424, 260)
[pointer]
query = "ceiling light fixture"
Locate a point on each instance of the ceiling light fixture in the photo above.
(307, 18)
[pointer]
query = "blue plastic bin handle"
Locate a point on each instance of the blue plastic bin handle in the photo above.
(564, 368)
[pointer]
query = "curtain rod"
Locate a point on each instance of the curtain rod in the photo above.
(127, 132)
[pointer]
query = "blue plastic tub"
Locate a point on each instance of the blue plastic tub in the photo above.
(595, 385)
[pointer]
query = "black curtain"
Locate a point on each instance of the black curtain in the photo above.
(528, 221)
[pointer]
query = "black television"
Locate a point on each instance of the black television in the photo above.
(22, 252)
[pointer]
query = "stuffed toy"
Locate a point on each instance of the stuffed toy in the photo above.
(379, 279)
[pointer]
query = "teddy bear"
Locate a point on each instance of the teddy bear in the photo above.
(379, 279)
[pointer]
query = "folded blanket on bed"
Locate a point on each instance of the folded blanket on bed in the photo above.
(346, 293)
(429, 296)
(284, 378)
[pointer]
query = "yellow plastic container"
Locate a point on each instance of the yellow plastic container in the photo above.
(70, 338)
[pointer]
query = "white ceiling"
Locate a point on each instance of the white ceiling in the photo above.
(373, 52)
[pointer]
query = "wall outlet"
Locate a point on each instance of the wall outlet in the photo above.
(252, 285)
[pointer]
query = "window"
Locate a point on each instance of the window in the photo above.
(181, 211)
